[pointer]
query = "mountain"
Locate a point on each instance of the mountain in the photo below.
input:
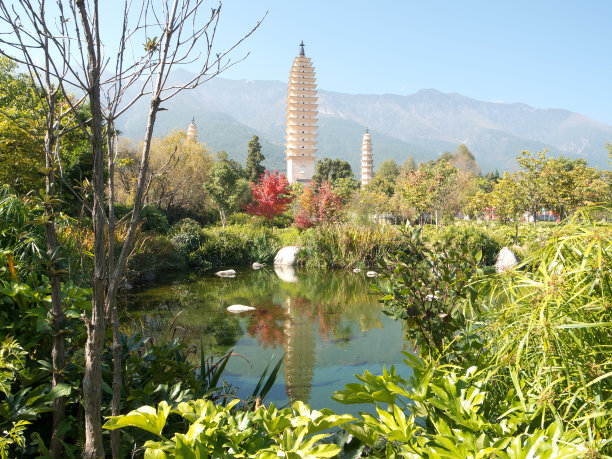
(422, 125)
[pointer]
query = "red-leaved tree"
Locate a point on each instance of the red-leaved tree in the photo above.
(271, 195)
(323, 205)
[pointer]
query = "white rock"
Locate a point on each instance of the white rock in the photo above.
(371, 274)
(356, 270)
(286, 256)
(257, 265)
(226, 273)
(238, 308)
(506, 259)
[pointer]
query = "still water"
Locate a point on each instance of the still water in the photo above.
(328, 325)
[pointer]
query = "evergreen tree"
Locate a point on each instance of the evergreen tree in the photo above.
(254, 169)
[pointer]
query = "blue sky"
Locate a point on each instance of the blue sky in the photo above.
(547, 54)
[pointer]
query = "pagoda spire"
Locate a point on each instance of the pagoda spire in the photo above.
(302, 113)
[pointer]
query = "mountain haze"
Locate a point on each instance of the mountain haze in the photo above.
(422, 125)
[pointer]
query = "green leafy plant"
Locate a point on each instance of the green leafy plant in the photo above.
(224, 431)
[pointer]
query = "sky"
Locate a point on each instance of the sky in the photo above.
(547, 54)
(543, 53)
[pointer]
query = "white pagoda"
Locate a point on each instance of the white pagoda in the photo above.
(192, 131)
(366, 158)
(301, 120)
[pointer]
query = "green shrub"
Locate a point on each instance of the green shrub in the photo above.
(466, 235)
(153, 254)
(233, 245)
(154, 219)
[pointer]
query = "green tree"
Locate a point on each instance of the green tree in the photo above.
(509, 200)
(464, 160)
(384, 179)
(570, 184)
(254, 169)
(331, 170)
(532, 179)
(407, 166)
(226, 186)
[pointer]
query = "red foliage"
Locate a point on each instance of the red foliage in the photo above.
(272, 195)
(321, 206)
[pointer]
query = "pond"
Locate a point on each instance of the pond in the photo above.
(327, 323)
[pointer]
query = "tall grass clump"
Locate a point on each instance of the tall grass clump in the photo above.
(551, 326)
(349, 246)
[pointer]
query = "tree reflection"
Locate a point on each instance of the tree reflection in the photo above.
(266, 325)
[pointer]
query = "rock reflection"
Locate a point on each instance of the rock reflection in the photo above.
(286, 273)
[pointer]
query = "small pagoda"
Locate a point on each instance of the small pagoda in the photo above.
(366, 158)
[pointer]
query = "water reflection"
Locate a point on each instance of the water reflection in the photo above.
(325, 323)
(286, 273)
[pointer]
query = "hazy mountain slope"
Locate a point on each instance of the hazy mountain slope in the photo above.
(421, 125)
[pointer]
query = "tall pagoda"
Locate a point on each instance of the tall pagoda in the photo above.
(366, 158)
(301, 120)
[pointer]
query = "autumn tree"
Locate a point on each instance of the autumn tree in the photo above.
(318, 205)
(271, 196)
(178, 169)
(255, 157)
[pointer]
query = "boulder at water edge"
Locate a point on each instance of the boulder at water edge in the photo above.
(286, 256)
(237, 308)
(226, 273)
(506, 259)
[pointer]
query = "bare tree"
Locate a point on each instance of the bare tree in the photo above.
(174, 33)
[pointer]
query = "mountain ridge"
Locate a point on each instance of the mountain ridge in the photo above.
(422, 125)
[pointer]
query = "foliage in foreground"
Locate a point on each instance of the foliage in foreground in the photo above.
(216, 431)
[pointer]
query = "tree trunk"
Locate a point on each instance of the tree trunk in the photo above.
(96, 324)
(58, 353)
(111, 301)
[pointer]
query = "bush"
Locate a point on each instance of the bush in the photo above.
(469, 236)
(153, 254)
(233, 245)
(154, 219)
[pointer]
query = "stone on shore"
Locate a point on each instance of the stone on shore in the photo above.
(506, 259)
(226, 273)
(287, 256)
